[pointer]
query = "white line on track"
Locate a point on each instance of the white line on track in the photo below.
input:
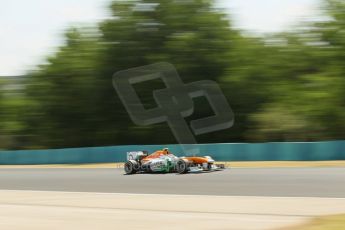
(159, 194)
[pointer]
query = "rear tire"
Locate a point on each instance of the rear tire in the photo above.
(182, 167)
(131, 167)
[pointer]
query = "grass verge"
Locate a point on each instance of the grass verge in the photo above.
(336, 222)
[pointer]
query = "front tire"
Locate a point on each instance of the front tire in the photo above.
(182, 167)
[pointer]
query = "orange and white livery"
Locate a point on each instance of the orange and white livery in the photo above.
(164, 161)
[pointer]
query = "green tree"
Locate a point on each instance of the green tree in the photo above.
(286, 86)
(76, 104)
(311, 98)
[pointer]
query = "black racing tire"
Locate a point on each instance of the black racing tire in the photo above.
(181, 167)
(131, 167)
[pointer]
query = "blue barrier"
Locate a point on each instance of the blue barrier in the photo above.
(275, 151)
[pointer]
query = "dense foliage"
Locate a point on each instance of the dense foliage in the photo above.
(282, 87)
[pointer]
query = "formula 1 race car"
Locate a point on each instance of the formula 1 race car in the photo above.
(164, 161)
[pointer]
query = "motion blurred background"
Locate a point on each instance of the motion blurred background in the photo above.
(281, 64)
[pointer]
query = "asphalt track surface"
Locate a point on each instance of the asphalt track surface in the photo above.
(278, 182)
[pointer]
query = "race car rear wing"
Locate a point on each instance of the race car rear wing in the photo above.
(136, 155)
